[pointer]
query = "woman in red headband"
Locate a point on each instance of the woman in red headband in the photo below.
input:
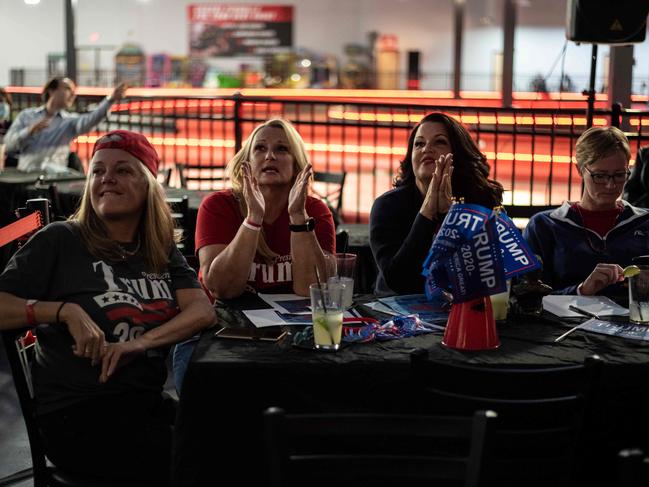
(110, 293)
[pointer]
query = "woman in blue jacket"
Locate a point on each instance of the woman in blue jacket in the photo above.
(585, 244)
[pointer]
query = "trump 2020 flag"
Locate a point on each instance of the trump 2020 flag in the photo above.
(517, 256)
(465, 256)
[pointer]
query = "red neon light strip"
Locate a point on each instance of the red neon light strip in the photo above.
(20, 228)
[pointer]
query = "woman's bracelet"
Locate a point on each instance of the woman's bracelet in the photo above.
(251, 226)
(58, 311)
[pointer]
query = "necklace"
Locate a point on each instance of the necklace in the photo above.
(129, 253)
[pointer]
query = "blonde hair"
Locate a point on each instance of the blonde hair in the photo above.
(235, 173)
(156, 229)
(598, 142)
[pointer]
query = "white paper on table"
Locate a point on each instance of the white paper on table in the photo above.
(262, 318)
(558, 304)
(382, 308)
(275, 301)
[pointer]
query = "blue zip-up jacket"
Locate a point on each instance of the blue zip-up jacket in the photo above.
(570, 251)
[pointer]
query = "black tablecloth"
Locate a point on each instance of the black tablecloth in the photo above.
(13, 176)
(13, 184)
(70, 194)
(229, 383)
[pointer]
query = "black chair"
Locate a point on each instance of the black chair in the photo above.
(375, 449)
(329, 186)
(633, 468)
(164, 176)
(342, 241)
(526, 211)
(50, 191)
(541, 412)
(74, 162)
(180, 213)
(20, 355)
(205, 177)
(636, 189)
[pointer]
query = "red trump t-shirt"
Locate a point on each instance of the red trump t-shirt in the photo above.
(219, 219)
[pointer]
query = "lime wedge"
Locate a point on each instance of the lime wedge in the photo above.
(322, 322)
(632, 270)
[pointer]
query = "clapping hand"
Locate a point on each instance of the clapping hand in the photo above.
(297, 195)
(439, 196)
(252, 195)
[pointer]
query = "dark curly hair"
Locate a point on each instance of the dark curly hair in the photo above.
(470, 179)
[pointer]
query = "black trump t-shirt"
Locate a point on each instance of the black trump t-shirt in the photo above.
(122, 298)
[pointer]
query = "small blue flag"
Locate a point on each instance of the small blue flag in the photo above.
(517, 256)
(465, 255)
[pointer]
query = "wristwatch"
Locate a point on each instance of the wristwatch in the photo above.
(307, 226)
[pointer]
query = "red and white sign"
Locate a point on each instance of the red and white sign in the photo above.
(239, 29)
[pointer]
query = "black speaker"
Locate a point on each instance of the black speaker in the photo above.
(607, 21)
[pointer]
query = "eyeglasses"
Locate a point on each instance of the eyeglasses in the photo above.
(603, 178)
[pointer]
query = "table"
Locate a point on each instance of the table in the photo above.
(70, 193)
(11, 175)
(359, 233)
(13, 183)
(229, 383)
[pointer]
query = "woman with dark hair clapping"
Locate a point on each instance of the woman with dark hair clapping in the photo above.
(442, 162)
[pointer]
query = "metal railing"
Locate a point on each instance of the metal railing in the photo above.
(429, 80)
(530, 150)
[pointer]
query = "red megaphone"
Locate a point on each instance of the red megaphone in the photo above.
(471, 326)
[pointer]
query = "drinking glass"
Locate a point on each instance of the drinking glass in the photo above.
(345, 267)
(347, 284)
(327, 312)
(500, 303)
(639, 296)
